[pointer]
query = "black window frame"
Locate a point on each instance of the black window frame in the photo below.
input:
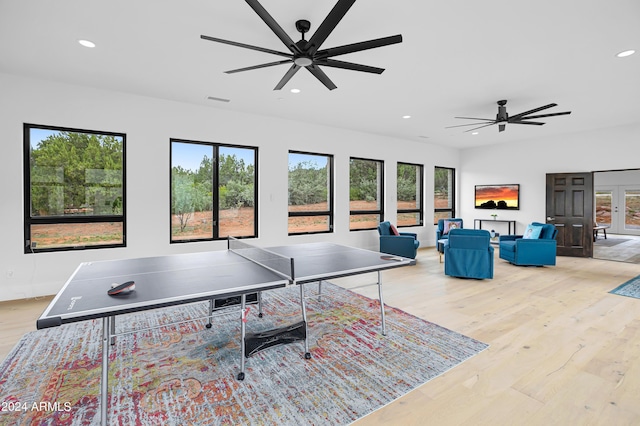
(330, 212)
(379, 211)
(215, 234)
(31, 247)
(420, 209)
(452, 196)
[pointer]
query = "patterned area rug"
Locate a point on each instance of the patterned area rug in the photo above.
(186, 374)
(631, 288)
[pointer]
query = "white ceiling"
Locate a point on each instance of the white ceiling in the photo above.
(457, 59)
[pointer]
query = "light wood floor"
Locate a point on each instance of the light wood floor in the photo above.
(563, 351)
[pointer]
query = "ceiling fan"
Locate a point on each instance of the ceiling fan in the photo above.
(307, 53)
(502, 118)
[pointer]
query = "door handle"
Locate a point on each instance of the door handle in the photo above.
(550, 219)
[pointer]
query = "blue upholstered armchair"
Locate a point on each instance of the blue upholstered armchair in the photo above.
(404, 244)
(442, 231)
(469, 254)
(530, 251)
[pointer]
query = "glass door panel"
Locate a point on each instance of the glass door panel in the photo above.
(632, 211)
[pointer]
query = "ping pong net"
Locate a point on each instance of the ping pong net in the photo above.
(275, 262)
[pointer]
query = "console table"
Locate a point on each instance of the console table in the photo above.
(478, 223)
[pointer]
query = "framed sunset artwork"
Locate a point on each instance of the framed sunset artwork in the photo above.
(500, 197)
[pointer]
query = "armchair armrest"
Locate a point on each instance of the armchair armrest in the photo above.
(509, 237)
(409, 234)
(536, 251)
(399, 245)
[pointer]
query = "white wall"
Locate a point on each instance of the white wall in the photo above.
(528, 162)
(148, 124)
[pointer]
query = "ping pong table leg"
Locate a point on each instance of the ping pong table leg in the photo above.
(260, 315)
(113, 329)
(211, 306)
(384, 329)
(243, 302)
(320, 291)
(104, 383)
(307, 354)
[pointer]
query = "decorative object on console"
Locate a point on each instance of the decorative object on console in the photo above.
(501, 197)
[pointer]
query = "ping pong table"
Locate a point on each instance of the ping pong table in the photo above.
(243, 269)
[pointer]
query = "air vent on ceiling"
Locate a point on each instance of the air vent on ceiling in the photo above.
(213, 98)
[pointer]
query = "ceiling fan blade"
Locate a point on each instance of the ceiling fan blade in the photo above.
(320, 75)
(472, 124)
(357, 47)
(246, 46)
(484, 125)
(275, 27)
(522, 114)
(349, 66)
(255, 67)
(328, 25)
(535, 123)
(546, 115)
(473, 118)
(290, 73)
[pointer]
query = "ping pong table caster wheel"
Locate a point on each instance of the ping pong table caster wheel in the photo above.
(208, 325)
(307, 355)
(241, 376)
(260, 315)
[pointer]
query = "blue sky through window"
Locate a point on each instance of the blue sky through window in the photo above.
(189, 155)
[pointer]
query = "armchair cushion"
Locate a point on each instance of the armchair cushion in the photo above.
(451, 224)
(440, 234)
(532, 232)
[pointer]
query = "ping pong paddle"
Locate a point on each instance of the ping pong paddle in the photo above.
(123, 288)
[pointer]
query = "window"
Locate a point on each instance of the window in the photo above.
(410, 189)
(310, 193)
(74, 189)
(444, 193)
(198, 212)
(366, 193)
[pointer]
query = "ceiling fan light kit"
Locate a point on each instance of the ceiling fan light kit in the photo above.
(307, 53)
(503, 118)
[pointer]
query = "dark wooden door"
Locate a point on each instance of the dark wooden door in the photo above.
(570, 209)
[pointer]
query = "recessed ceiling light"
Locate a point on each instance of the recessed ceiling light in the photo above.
(475, 133)
(406, 116)
(626, 53)
(87, 43)
(295, 90)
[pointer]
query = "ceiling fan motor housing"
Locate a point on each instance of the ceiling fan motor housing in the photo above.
(303, 26)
